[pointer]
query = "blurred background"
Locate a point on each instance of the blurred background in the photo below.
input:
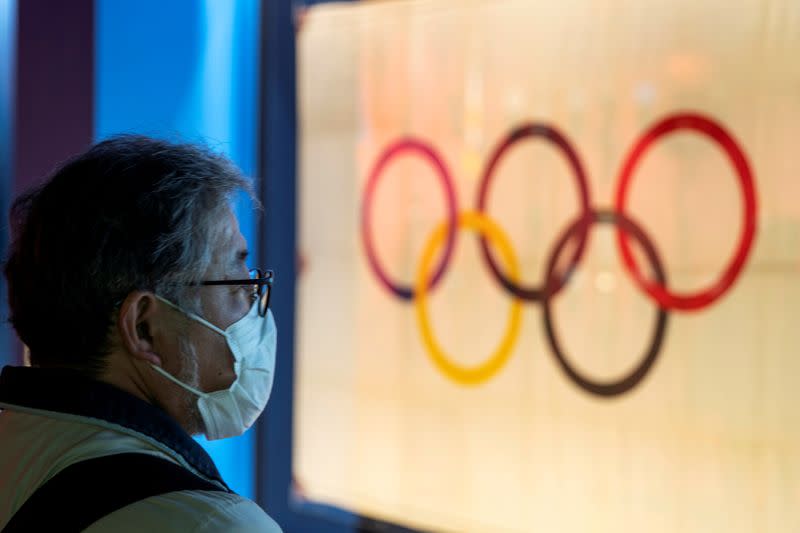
(537, 263)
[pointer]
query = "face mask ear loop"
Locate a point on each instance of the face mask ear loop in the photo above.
(203, 321)
(175, 380)
(193, 316)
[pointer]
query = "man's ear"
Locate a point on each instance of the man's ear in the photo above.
(136, 326)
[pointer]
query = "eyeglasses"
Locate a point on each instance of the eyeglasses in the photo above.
(260, 280)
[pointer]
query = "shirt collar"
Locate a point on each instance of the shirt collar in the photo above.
(68, 392)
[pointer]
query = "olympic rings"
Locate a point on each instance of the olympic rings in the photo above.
(579, 229)
(554, 136)
(458, 373)
(403, 145)
(637, 374)
(709, 128)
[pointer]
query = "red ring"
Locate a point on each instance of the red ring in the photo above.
(708, 127)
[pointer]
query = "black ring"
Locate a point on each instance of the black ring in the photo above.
(626, 383)
(551, 134)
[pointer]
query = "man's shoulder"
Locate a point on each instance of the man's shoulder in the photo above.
(190, 510)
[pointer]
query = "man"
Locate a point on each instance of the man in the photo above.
(128, 283)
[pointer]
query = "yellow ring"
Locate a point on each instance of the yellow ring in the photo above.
(465, 375)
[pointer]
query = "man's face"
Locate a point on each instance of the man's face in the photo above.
(222, 306)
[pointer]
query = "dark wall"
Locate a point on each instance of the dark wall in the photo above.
(53, 91)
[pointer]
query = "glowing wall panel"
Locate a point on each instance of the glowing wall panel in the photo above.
(705, 438)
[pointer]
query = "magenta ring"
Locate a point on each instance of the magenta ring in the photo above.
(405, 291)
(552, 135)
(626, 383)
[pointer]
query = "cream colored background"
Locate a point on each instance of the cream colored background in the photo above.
(710, 440)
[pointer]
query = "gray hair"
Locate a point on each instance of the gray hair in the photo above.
(131, 213)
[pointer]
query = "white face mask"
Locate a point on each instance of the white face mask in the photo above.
(252, 340)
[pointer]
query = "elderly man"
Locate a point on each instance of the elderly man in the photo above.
(128, 283)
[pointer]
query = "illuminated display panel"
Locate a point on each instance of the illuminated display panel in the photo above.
(644, 155)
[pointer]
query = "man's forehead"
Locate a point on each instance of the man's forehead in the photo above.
(230, 228)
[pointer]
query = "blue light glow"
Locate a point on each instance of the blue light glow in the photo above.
(8, 37)
(186, 70)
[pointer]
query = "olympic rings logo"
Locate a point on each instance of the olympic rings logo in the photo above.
(492, 236)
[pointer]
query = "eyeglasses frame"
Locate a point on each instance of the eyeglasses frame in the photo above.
(264, 278)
